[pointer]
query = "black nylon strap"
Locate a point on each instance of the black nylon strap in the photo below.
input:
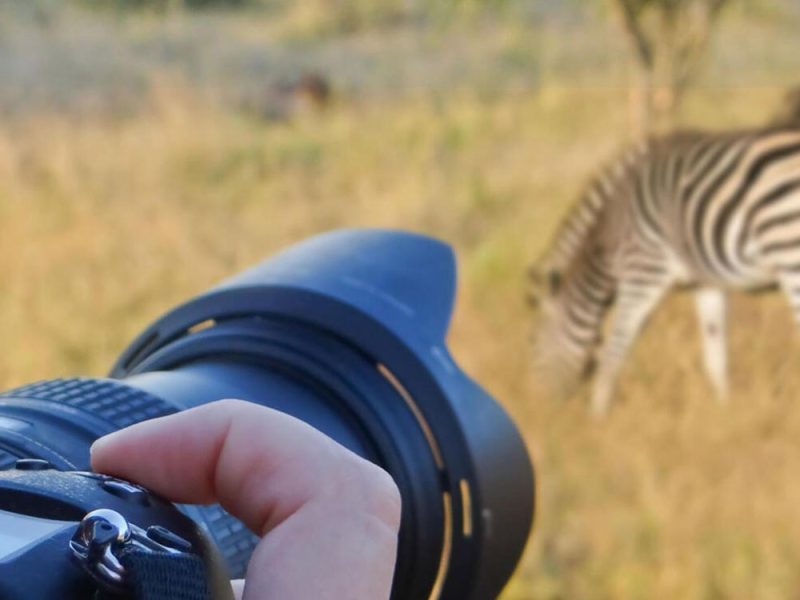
(163, 576)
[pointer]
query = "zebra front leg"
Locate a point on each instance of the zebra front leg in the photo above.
(636, 300)
(710, 304)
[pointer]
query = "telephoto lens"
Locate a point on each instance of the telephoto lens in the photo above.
(345, 331)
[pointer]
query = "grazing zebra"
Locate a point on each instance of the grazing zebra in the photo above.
(708, 211)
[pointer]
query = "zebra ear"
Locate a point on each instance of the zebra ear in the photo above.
(553, 282)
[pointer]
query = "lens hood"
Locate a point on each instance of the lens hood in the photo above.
(385, 297)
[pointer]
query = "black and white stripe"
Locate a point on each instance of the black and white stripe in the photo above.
(714, 211)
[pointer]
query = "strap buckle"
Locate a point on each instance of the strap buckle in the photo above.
(102, 538)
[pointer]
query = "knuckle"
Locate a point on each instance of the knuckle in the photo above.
(385, 495)
(373, 490)
(230, 405)
(239, 411)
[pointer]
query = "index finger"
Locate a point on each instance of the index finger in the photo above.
(260, 464)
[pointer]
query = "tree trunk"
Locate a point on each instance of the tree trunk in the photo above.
(667, 52)
(640, 100)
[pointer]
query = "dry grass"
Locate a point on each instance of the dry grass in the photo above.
(109, 221)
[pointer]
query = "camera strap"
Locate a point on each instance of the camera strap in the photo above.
(165, 576)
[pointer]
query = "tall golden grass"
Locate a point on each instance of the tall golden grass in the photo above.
(108, 222)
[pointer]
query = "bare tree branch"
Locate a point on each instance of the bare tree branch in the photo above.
(642, 47)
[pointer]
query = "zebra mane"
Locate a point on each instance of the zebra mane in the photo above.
(583, 218)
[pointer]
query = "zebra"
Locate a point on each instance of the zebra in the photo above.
(707, 211)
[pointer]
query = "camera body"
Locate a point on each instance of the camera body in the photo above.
(84, 535)
(345, 331)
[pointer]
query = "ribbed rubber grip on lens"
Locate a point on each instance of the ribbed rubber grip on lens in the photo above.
(119, 404)
(234, 540)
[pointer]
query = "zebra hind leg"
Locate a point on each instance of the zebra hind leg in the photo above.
(636, 299)
(711, 309)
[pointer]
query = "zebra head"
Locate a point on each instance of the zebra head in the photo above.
(570, 304)
(559, 362)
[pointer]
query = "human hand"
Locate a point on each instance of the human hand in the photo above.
(328, 519)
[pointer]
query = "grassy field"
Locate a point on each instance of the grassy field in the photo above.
(134, 172)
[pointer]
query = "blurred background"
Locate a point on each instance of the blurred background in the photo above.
(149, 148)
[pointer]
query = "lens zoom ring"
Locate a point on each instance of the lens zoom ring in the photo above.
(117, 403)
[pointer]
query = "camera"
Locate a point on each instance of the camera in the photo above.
(345, 331)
